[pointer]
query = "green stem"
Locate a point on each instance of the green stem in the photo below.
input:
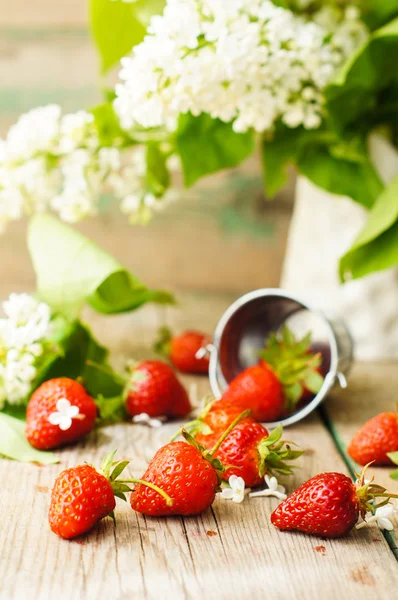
(243, 415)
(169, 501)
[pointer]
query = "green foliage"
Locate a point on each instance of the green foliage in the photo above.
(158, 177)
(72, 270)
(357, 179)
(376, 247)
(208, 145)
(118, 26)
(109, 131)
(394, 457)
(13, 443)
(353, 95)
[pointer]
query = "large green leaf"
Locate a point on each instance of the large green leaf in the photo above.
(118, 26)
(376, 247)
(330, 169)
(208, 145)
(72, 270)
(378, 12)
(13, 443)
(283, 149)
(355, 90)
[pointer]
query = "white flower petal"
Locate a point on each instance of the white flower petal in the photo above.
(227, 493)
(55, 418)
(65, 423)
(63, 405)
(385, 523)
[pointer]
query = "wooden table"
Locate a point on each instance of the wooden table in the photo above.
(231, 551)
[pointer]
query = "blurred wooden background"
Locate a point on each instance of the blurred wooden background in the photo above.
(222, 236)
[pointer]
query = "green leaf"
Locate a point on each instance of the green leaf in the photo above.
(377, 12)
(394, 475)
(208, 145)
(157, 174)
(118, 26)
(282, 150)
(393, 456)
(72, 270)
(13, 443)
(358, 180)
(119, 469)
(312, 380)
(376, 247)
(109, 131)
(353, 94)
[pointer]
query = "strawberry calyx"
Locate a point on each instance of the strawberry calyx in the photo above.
(198, 425)
(273, 454)
(368, 493)
(113, 469)
(295, 366)
(209, 454)
(162, 345)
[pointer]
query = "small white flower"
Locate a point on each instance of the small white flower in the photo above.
(145, 419)
(273, 489)
(236, 492)
(64, 415)
(382, 517)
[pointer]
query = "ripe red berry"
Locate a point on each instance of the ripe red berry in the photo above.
(187, 473)
(59, 412)
(154, 389)
(182, 350)
(327, 505)
(376, 438)
(82, 496)
(252, 452)
(259, 390)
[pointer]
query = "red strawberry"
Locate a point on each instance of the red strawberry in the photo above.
(375, 440)
(182, 349)
(328, 505)
(153, 388)
(59, 412)
(215, 417)
(259, 390)
(252, 452)
(296, 368)
(187, 473)
(82, 496)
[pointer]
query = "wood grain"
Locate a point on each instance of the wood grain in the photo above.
(231, 551)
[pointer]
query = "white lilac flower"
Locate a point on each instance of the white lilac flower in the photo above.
(145, 419)
(273, 489)
(236, 490)
(244, 61)
(64, 415)
(23, 333)
(381, 517)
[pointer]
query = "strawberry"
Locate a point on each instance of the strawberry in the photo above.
(259, 390)
(187, 472)
(82, 496)
(154, 389)
(215, 417)
(182, 350)
(252, 452)
(294, 365)
(59, 412)
(375, 440)
(328, 505)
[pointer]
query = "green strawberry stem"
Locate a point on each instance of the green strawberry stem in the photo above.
(239, 418)
(112, 470)
(368, 492)
(169, 501)
(293, 364)
(162, 345)
(273, 453)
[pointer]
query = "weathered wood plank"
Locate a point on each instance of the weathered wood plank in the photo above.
(231, 551)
